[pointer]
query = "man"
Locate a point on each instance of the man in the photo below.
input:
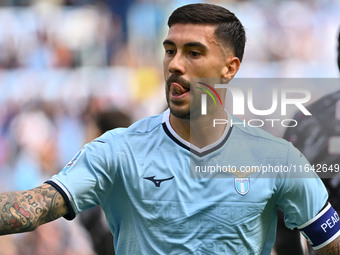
(142, 176)
(315, 137)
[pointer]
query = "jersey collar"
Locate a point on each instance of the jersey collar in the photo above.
(188, 146)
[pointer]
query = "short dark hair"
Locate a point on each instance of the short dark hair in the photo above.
(229, 30)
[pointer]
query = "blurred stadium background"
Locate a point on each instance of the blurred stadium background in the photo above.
(64, 63)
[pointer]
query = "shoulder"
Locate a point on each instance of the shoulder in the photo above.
(321, 122)
(143, 126)
(324, 102)
(146, 125)
(265, 147)
(320, 109)
(252, 134)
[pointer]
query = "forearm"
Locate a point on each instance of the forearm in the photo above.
(23, 211)
(331, 249)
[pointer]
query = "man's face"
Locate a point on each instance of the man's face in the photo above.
(191, 53)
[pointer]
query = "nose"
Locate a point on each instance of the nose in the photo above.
(176, 65)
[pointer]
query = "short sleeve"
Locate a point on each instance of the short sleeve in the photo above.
(302, 196)
(87, 179)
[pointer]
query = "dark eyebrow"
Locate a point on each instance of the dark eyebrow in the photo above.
(169, 42)
(195, 44)
(190, 44)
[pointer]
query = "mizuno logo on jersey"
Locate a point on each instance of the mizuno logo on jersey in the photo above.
(157, 182)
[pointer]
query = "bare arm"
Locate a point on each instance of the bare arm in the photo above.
(22, 211)
(331, 249)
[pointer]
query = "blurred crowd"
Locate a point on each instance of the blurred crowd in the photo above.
(68, 66)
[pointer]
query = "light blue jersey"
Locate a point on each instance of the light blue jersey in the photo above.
(141, 178)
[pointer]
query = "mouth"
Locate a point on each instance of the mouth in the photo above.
(177, 90)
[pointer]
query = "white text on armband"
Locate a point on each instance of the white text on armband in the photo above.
(322, 229)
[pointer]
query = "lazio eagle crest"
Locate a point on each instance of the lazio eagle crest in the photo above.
(242, 185)
(242, 182)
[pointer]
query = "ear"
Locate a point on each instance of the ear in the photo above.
(231, 68)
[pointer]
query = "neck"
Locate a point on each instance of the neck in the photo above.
(199, 131)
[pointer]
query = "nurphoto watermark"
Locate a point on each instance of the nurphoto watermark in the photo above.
(240, 116)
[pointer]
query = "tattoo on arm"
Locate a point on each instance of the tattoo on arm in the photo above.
(23, 211)
(332, 249)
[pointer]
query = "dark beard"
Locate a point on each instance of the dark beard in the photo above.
(184, 116)
(187, 115)
(182, 82)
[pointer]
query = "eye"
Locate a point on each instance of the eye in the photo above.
(195, 54)
(169, 52)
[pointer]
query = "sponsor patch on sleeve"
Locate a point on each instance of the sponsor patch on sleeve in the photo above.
(74, 159)
(322, 229)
